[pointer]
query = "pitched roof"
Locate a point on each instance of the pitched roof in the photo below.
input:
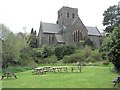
(93, 31)
(51, 28)
(59, 38)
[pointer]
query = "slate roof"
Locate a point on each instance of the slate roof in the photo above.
(93, 31)
(51, 28)
(59, 38)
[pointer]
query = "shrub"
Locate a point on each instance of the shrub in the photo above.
(37, 56)
(47, 51)
(72, 58)
(61, 51)
(89, 43)
(86, 52)
(32, 64)
(79, 45)
(90, 59)
(26, 55)
(48, 60)
(106, 62)
(96, 55)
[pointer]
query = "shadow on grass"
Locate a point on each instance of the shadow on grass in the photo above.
(6, 79)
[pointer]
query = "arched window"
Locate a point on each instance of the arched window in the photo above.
(58, 15)
(61, 14)
(73, 36)
(73, 15)
(68, 14)
(78, 35)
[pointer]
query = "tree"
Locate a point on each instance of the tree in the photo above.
(33, 39)
(12, 44)
(10, 53)
(111, 47)
(111, 17)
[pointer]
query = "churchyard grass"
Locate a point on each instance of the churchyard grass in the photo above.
(90, 77)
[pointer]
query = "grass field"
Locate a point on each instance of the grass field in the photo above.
(90, 77)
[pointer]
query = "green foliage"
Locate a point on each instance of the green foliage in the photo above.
(106, 62)
(12, 45)
(89, 43)
(111, 47)
(96, 55)
(26, 56)
(49, 60)
(90, 60)
(90, 55)
(61, 51)
(47, 51)
(110, 17)
(73, 58)
(78, 45)
(37, 56)
(33, 39)
(10, 52)
(86, 52)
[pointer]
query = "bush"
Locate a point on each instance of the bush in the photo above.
(48, 60)
(61, 51)
(89, 43)
(86, 52)
(72, 58)
(96, 55)
(26, 56)
(106, 62)
(47, 51)
(90, 59)
(37, 56)
(32, 64)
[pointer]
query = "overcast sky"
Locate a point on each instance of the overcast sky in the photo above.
(17, 14)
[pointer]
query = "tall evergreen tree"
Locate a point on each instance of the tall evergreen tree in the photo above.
(33, 39)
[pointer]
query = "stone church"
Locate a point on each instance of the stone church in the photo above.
(69, 29)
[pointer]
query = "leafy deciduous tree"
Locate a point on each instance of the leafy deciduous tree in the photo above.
(111, 17)
(111, 47)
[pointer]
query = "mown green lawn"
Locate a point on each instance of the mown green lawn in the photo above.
(90, 77)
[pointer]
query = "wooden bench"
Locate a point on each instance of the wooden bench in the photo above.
(116, 81)
(9, 74)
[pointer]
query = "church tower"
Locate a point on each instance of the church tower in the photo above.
(67, 15)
